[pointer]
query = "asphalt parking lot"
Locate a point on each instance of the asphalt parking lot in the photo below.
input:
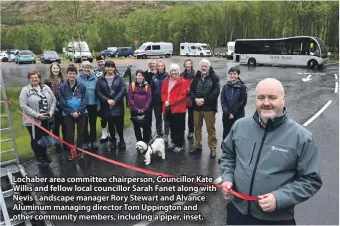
(303, 101)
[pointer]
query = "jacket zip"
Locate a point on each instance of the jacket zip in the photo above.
(255, 167)
(252, 154)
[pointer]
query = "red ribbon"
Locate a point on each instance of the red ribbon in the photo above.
(138, 169)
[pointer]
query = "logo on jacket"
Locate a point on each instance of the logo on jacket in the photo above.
(279, 149)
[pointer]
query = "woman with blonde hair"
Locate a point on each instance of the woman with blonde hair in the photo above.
(156, 86)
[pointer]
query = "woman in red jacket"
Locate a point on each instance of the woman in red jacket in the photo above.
(174, 92)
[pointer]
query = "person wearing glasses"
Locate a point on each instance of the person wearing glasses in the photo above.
(38, 102)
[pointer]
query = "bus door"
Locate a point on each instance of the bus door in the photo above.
(313, 48)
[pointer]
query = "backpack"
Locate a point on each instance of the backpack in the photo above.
(133, 86)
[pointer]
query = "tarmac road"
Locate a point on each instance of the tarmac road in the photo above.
(303, 100)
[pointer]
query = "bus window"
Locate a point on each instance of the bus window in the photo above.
(296, 46)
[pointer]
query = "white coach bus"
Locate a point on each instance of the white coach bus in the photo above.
(297, 51)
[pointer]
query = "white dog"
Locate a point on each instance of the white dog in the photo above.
(157, 147)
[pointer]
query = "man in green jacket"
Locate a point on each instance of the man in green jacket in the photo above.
(272, 157)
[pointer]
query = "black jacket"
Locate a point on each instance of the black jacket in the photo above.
(148, 76)
(103, 92)
(210, 94)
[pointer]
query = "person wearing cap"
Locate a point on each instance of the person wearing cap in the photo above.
(89, 80)
(111, 90)
(100, 72)
(139, 97)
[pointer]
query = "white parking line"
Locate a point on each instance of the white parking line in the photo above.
(318, 113)
(336, 87)
(336, 76)
(310, 73)
(144, 223)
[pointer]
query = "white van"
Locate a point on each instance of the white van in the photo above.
(230, 50)
(151, 49)
(194, 49)
(78, 51)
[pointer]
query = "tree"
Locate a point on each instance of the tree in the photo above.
(18, 37)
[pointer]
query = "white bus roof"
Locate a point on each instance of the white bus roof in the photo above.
(272, 39)
(157, 43)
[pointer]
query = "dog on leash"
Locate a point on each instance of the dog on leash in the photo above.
(157, 147)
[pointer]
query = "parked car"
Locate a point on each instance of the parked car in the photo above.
(124, 52)
(3, 56)
(11, 54)
(108, 53)
(25, 56)
(49, 57)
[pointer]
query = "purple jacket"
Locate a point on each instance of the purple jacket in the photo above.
(139, 99)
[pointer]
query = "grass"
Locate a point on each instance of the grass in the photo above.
(334, 58)
(22, 138)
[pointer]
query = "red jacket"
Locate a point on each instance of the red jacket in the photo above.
(178, 94)
(189, 81)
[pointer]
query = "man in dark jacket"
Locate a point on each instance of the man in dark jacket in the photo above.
(272, 157)
(148, 74)
(204, 92)
(151, 71)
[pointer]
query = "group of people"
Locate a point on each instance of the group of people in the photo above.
(266, 155)
(168, 94)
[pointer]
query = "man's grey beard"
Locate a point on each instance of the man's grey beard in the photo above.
(265, 120)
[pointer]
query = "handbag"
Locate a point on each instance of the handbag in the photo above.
(47, 141)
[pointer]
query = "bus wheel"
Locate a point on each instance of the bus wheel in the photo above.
(312, 64)
(252, 62)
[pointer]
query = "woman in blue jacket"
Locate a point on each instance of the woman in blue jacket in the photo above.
(156, 86)
(72, 101)
(89, 80)
(111, 90)
(233, 100)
